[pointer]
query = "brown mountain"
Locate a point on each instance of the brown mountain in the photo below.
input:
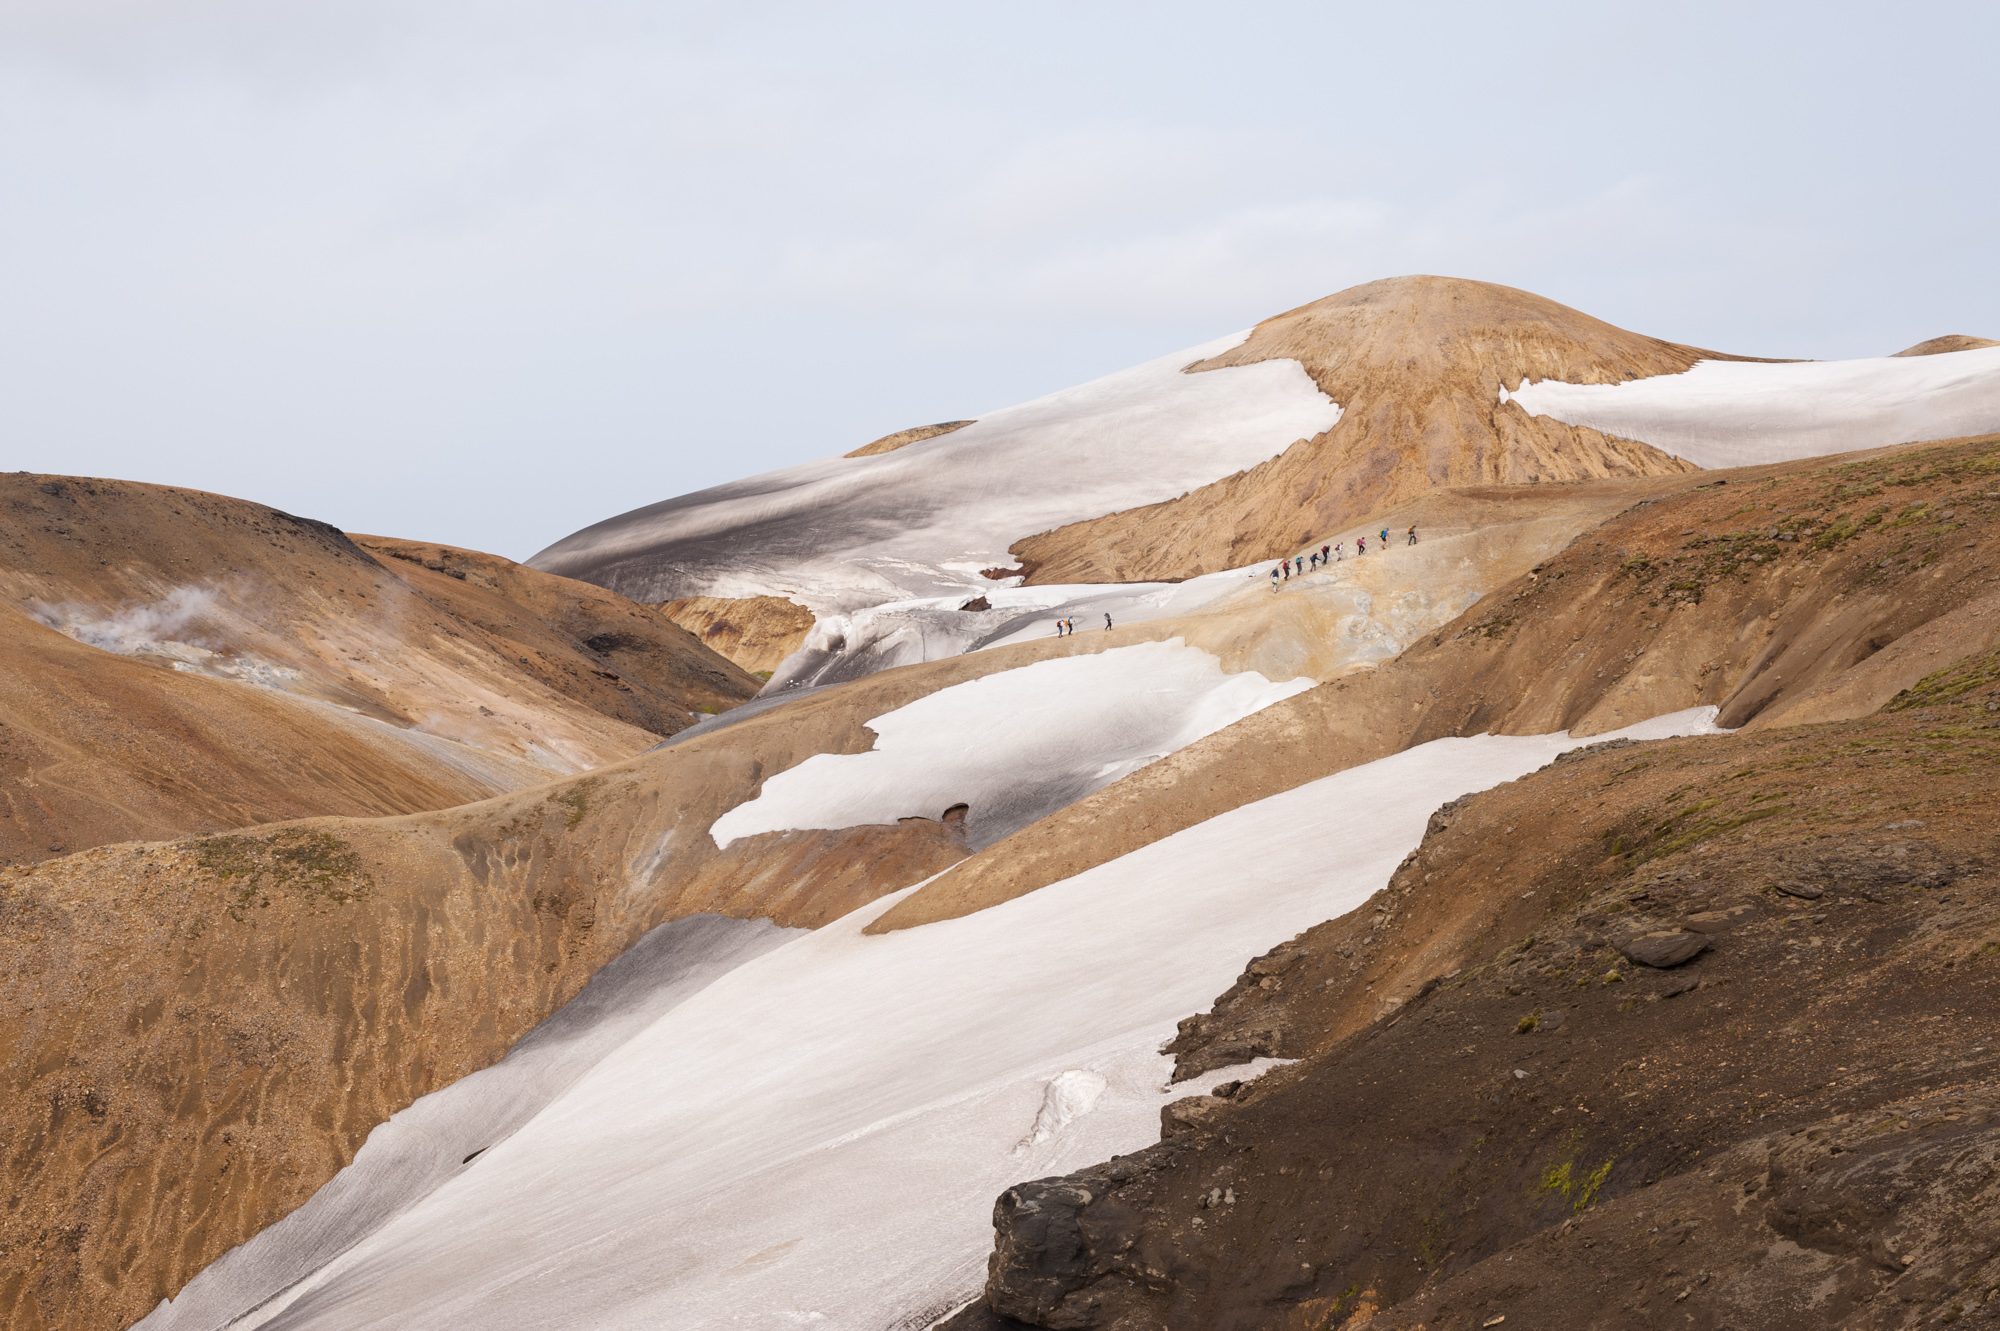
(1416, 364)
(180, 661)
(1949, 342)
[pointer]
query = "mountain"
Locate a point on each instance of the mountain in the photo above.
(1949, 342)
(930, 1049)
(182, 662)
(1578, 894)
(1316, 422)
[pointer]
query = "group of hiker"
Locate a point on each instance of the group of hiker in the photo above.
(1067, 627)
(1330, 554)
(1282, 572)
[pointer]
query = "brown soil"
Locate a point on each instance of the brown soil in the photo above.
(1807, 591)
(1949, 342)
(916, 434)
(1416, 364)
(390, 685)
(589, 645)
(756, 632)
(1499, 1114)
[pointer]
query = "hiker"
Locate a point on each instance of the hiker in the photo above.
(1385, 538)
(1361, 545)
(1274, 577)
(1323, 552)
(1413, 533)
(1107, 621)
(1287, 566)
(1058, 628)
(1340, 550)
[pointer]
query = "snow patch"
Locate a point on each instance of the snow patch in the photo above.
(452, 1130)
(1071, 1094)
(1742, 413)
(924, 520)
(1014, 745)
(823, 1129)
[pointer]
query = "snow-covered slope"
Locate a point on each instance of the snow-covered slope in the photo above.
(1359, 611)
(926, 519)
(1015, 745)
(1741, 413)
(424, 1146)
(815, 1139)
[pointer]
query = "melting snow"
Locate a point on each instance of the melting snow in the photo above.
(1740, 413)
(424, 1145)
(924, 520)
(1070, 1095)
(1095, 717)
(822, 1131)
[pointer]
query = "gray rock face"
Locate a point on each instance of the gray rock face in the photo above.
(1040, 1253)
(1663, 949)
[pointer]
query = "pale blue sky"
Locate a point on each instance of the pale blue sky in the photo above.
(485, 271)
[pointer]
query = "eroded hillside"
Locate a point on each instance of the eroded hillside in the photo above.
(179, 661)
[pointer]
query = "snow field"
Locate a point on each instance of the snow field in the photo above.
(1014, 745)
(420, 1148)
(1373, 605)
(816, 1138)
(1742, 413)
(924, 520)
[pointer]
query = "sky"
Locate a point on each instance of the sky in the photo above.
(487, 271)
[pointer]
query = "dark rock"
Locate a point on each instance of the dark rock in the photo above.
(1804, 891)
(1664, 948)
(1039, 1256)
(1053, 1238)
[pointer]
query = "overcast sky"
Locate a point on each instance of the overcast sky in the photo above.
(485, 271)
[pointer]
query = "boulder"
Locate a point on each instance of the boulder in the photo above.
(1663, 949)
